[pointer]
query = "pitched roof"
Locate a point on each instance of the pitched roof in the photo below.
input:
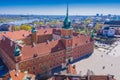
(44, 31)
(16, 35)
(1, 35)
(71, 69)
(7, 47)
(99, 77)
(15, 75)
(41, 49)
(80, 40)
(22, 34)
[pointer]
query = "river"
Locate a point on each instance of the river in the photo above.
(20, 22)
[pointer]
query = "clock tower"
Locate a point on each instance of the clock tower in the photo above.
(67, 39)
(67, 32)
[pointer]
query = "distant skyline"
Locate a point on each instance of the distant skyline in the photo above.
(58, 7)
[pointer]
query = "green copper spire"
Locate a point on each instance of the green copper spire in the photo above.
(33, 30)
(67, 11)
(67, 23)
(17, 51)
(92, 34)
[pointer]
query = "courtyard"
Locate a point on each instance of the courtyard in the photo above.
(102, 62)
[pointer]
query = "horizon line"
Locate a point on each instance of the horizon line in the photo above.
(62, 14)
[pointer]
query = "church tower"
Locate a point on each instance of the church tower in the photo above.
(34, 35)
(17, 53)
(67, 31)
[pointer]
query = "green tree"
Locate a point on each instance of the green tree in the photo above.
(25, 27)
(16, 28)
(97, 27)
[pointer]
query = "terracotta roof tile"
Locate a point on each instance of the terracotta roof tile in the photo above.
(15, 35)
(71, 69)
(80, 40)
(44, 31)
(16, 75)
(100, 77)
(42, 49)
(19, 75)
(6, 46)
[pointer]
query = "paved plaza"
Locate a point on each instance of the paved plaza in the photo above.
(102, 62)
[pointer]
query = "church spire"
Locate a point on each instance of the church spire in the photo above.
(33, 29)
(67, 11)
(67, 23)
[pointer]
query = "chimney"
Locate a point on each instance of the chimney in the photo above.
(45, 31)
(48, 41)
(33, 44)
(74, 67)
(16, 74)
(35, 55)
(23, 35)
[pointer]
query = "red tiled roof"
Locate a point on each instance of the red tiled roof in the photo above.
(57, 31)
(15, 35)
(99, 77)
(71, 69)
(1, 34)
(44, 31)
(5, 45)
(41, 49)
(80, 40)
(15, 77)
(19, 75)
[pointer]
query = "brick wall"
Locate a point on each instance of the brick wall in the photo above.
(38, 64)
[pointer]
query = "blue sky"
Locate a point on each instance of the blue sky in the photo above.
(58, 7)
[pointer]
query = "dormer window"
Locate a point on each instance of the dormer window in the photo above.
(76, 44)
(35, 55)
(23, 35)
